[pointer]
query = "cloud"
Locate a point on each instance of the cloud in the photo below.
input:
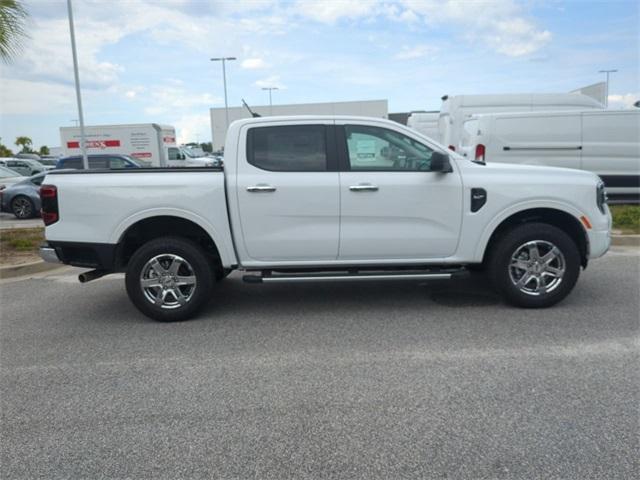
(516, 37)
(169, 98)
(272, 81)
(330, 11)
(32, 97)
(193, 128)
(623, 101)
(253, 63)
(418, 51)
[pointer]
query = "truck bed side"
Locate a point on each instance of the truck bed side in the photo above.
(99, 207)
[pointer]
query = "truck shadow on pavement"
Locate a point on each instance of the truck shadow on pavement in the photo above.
(233, 295)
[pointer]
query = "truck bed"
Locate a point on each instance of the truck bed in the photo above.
(98, 206)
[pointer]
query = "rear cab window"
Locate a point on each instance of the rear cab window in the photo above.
(288, 148)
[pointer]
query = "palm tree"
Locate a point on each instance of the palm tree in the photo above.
(24, 142)
(12, 28)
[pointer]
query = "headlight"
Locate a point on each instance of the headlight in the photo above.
(601, 196)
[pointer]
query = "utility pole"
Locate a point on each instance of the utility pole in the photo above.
(224, 82)
(270, 102)
(606, 101)
(83, 147)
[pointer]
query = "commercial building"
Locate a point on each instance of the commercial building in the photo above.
(365, 108)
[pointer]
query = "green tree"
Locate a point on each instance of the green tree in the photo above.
(206, 146)
(24, 142)
(4, 151)
(44, 150)
(13, 17)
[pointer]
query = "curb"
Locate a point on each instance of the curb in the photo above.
(27, 269)
(625, 240)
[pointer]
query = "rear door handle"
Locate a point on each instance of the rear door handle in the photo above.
(363, 188)
(261, 188)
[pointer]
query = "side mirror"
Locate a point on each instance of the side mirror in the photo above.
(440, 163)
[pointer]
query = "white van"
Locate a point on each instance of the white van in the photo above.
(456, 110)
(426, 123)
(606, 142)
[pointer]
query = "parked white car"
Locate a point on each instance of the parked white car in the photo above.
(23, 166)
(327, 199)
(606, 142)
(456, 110)
(9, 177)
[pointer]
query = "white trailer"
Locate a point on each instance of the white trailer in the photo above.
(149, 143)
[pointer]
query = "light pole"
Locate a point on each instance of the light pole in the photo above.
(606, 102)
(83, 147)
(270, 102)
(224, 82)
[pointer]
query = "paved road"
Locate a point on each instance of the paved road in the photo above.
(8, 220)
(387, 380)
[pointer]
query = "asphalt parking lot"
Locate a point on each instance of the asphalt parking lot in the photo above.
(385, 380)
(9, 221)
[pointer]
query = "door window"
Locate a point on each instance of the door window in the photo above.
(174, 154)
(117, 163)
(291, 148)
(380, 149)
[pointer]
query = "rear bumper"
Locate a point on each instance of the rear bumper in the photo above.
(89, 255)
(49, 254)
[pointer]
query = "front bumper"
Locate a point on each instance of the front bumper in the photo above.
(599, 242)
(49, 254)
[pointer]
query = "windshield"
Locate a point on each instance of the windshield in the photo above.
(189, 153)
(133, 160)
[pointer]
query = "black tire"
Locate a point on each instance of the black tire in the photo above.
(502, 273)
(22, 207)
(195, 264)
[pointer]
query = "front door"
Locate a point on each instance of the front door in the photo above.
(288, 198)
(392, 206)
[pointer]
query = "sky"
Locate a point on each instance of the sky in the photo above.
(144, 61)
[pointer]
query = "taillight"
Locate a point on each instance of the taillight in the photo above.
(49, 201)
(480, 150)
(452, 148)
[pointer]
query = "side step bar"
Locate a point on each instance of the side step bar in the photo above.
(358, 276)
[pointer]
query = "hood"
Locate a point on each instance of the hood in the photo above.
(553, 174)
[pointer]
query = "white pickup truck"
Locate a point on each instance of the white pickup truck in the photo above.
(326, 199)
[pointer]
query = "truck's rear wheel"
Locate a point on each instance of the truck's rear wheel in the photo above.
(169, 279)
(535, 265)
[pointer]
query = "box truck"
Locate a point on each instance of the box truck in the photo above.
(151, 144)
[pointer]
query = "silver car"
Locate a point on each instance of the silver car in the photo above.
(23, 198)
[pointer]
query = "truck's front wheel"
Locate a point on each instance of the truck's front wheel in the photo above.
(535, 265)
(169, 279)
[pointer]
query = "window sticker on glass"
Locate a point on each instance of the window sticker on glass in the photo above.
(366, 149)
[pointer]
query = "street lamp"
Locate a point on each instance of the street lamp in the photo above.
(606, 103)
(83, 147)
(224, 82)
(270, 102)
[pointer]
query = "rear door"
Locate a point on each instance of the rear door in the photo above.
(287, 187)
(611, 148)
(392, 206)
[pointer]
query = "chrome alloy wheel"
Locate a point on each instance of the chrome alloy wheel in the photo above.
(537, 267)
(168, 281)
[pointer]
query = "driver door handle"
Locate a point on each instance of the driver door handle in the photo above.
(261, 188)
(363, 188)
